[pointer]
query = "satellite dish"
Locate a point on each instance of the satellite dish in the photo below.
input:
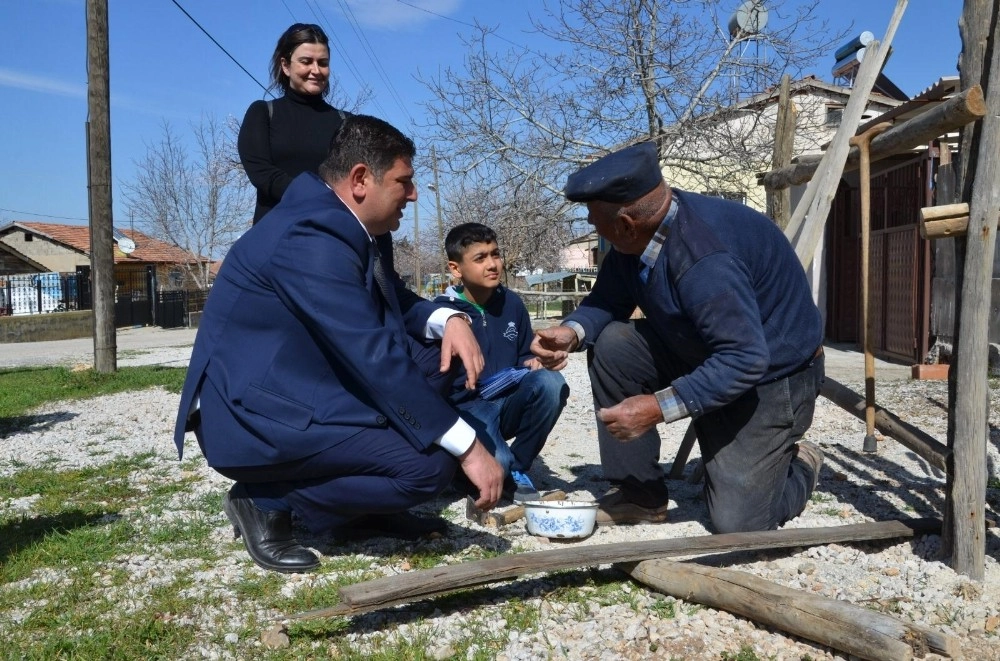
(126, 245)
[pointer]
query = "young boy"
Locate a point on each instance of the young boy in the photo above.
(527, 409)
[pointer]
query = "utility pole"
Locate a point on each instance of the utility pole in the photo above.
(416, 248)
(102, 260)
(437, 198)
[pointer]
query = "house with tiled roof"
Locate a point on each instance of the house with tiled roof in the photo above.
(60, 248)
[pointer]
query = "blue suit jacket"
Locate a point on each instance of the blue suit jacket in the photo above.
(296, 351)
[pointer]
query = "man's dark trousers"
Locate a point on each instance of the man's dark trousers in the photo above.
(747, 446)
(374, 471)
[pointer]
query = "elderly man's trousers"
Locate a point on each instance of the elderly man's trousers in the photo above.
(747, 446)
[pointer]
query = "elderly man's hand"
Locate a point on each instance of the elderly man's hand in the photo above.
(459, 341)
(632, 417)
(553, 345)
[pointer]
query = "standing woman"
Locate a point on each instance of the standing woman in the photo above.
(283, 138)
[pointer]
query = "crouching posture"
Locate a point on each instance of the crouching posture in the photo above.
(317, 381)
(730, 338)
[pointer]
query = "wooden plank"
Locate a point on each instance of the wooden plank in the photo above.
(950, 115)
(925, 445)
(413, 586)
(813, 219)
(834, 622)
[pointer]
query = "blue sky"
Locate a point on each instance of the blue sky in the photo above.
(164, 69)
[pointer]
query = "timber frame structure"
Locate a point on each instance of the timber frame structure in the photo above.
(977, 183)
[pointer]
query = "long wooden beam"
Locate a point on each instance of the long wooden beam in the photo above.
(950, 115)
(925, 445)
(834, 622)
(417, 585)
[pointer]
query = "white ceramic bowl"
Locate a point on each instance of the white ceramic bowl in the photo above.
(560, 518)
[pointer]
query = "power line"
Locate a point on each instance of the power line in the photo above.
(266, 91)
(339, 47)
(379, 69)
(469, 25)
(42, 215)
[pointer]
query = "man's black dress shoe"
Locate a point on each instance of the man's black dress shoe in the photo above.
(267, 535)
(400, 525)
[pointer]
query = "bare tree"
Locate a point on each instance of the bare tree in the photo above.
(618, 72)
(199, 200)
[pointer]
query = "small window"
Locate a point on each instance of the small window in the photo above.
(28, 236)
(834, 114)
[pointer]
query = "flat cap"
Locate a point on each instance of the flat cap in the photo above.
(621, 176)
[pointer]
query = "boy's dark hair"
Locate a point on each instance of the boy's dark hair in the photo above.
(462, 236)
(368, 140)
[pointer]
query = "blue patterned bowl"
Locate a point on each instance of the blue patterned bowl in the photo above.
(560, 518)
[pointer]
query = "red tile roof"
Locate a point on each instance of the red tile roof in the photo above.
(77, 237)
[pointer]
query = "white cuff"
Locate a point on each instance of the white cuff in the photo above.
(458, 439)
(436, 322)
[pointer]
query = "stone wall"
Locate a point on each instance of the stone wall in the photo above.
(44, 327)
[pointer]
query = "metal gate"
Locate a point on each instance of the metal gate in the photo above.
(134, 296)
(899, 263)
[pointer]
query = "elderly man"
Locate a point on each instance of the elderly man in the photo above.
(317, 382)
(730, 337)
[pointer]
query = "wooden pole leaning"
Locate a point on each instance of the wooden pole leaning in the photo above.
(863, 142)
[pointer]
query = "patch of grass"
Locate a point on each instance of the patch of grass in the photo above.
(521, 616)
(92, 489)
(746, 653)
(663, 609)
(24, 389)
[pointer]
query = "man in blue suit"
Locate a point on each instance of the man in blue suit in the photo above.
(317, 382)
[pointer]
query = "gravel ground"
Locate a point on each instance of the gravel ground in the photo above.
(905, 578)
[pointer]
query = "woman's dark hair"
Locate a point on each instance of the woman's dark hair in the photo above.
(292, 38)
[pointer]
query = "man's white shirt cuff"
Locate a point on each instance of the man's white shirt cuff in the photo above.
(458, 439)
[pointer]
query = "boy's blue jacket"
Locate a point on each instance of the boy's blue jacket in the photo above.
(503, 331)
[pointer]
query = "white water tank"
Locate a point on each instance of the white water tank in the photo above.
(749, 18)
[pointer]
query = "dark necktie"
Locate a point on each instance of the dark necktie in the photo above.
(383, 282)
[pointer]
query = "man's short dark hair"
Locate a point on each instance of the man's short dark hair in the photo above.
(462, 236)
(369, 140)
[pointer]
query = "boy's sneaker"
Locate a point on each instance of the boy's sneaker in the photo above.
(523, 488)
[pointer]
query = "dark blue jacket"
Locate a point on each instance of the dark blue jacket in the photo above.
(503, 332)
(295, 351)
(727, 295)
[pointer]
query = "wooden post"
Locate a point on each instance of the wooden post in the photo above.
(862, 142)
(971, 402)
(779, 202)
(835, 622)
(102, 259)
